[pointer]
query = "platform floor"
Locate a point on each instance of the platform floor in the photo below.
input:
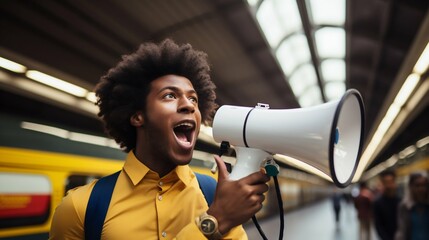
(315, 221)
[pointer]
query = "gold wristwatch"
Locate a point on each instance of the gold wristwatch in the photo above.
(208, 226)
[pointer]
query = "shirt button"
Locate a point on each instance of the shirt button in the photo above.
(161, 183)
(164, 234)
(160, 197)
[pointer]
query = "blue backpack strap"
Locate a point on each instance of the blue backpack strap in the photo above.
(98, 205)
(207, 186)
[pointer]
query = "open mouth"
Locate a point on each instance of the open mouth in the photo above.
(184, 132)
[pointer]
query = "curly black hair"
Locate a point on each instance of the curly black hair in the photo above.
(123, 90)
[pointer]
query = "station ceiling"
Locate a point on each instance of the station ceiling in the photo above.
(78, 41)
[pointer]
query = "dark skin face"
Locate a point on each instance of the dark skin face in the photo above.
(419, 190)
(166, 135)
(168, 130)
(389, 185)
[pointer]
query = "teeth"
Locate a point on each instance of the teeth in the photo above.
(185, 124)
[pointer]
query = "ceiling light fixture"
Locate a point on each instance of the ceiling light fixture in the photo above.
(331, 42)
(408, 151)
(91, 97)
(73, 136)
(12, 66)
(380, 168)
(56, 83)
(328, 12)
(406, 89)
(59, 132)
(395, 109)
(422, 142)
(423, 62)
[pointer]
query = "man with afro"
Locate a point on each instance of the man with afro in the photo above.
(153, 103)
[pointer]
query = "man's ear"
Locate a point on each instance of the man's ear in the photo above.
(137, 119)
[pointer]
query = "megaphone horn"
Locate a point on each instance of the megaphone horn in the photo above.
(327, 136)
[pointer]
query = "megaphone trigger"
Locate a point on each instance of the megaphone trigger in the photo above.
(224, 147)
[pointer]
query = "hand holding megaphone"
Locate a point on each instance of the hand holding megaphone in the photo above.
(236, 201)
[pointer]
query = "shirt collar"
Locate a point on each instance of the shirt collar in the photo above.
(136, 171)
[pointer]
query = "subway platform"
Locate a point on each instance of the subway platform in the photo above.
(315, 221)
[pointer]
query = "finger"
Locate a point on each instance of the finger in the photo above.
(256, 178)
(222, 171)
(257, 205)
(260, 188)
(259, 199)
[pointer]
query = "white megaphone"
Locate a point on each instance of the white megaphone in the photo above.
(328, 136)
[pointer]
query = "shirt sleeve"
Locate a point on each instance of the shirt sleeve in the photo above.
(191, 231)
(67, 223)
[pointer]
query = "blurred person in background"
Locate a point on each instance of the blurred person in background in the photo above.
(385, 206)
(413, 211)
(363, 205)
(336, 203)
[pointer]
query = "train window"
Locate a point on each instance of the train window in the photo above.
(25, 199)
(78, 180)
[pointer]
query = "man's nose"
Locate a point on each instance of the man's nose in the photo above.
(186, 105)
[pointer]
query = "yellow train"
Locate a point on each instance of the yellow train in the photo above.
(34, 182)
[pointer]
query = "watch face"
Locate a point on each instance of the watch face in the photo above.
(208, 226)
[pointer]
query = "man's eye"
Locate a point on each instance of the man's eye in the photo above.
(193, 99)
(169, 96)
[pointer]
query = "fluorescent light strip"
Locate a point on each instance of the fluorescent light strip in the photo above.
(91, 97)
(56, 83)
(406, 89)
(401, 98)
(423, 62)
(44, 91)
(74, 136)
(86, 138)
(59, 132)
(87, 106)
(403, 115)
(395, 158)
(12, 66)
(385, 131)
(26, 85)
(407, 151)
(380, 167)
(422, 142)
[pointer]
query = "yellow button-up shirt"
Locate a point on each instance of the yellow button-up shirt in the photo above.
(143, 206)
